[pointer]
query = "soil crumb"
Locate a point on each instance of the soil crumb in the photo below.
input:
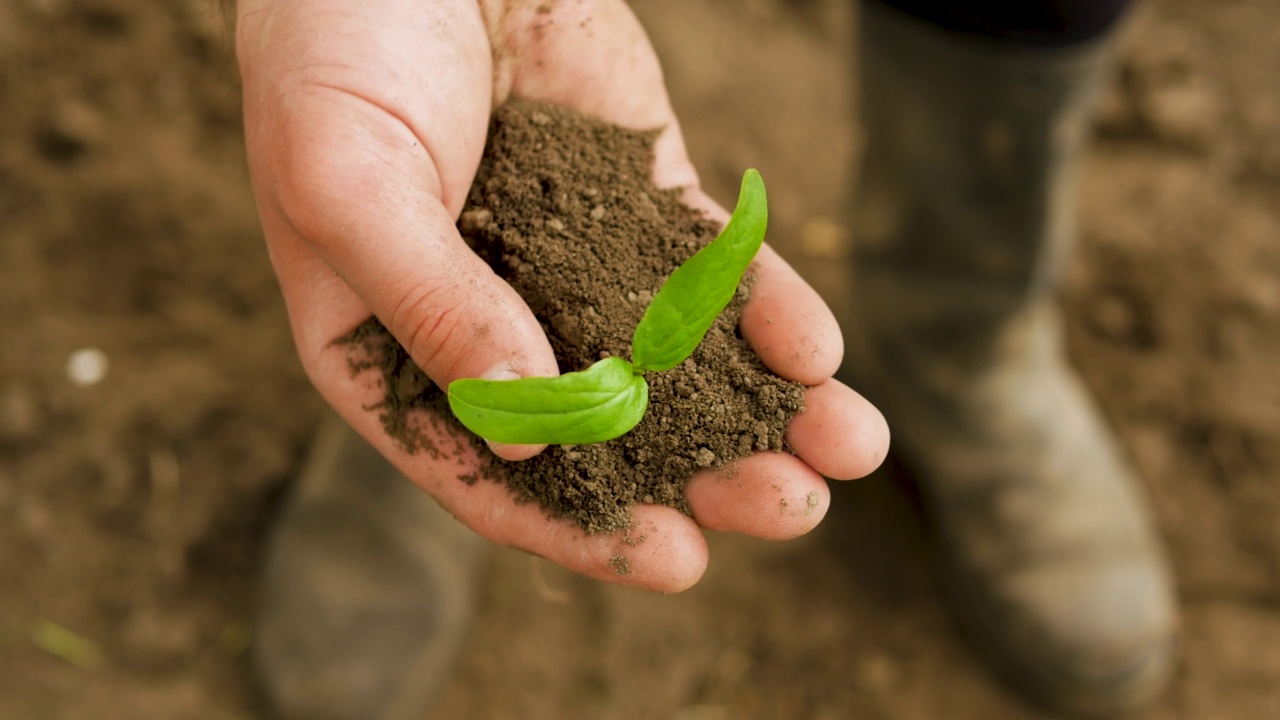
(564, 209)
(620, 565)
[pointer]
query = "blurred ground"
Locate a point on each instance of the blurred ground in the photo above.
(131, 510)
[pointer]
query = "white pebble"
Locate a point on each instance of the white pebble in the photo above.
(87, 366)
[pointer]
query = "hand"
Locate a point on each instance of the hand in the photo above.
(365, 124)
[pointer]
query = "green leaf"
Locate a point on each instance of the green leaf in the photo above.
(66, 644)
(597, 404)
(696, 293)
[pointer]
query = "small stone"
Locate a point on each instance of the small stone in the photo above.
(597, 212)
(475, 220)
(555, 224)
(705, 458)
(632, 296)
(540, 118)
(87, 366)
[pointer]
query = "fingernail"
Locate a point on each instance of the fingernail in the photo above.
(514, 452)
(501, 371)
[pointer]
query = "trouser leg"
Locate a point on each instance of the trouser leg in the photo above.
(963, 216)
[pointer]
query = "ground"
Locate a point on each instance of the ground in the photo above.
(132, 510)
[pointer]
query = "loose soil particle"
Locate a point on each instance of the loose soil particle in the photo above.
(564, 209)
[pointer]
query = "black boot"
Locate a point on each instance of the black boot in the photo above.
(367, 592)
(963, 213)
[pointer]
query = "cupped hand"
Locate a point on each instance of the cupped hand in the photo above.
(365, 123)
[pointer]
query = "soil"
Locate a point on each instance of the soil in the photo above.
(564, 209)
(131, 510)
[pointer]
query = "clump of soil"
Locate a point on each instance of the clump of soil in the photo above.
(564, 209)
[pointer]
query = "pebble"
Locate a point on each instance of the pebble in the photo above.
(705, 458)
(475, 220)
(87, 366)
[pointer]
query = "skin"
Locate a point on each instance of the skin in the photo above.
(365, 124)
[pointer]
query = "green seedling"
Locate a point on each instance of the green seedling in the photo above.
(609, 398)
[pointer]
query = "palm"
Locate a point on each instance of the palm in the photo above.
(365, 125)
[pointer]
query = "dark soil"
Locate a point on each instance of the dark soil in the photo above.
(563, 208)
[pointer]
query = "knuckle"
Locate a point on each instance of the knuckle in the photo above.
(326, 166)
(427, 325)
(318, 193)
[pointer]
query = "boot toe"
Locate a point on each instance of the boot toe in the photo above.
(367, 591)
(1091, 641)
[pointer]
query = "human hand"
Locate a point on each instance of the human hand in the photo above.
(365, 123)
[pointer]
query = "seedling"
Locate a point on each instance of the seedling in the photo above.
(609, 398)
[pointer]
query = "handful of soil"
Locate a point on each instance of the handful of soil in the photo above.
(563, 208)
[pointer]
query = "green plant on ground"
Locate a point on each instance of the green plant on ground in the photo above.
(609, 398)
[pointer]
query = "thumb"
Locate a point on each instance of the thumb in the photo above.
(361, 194)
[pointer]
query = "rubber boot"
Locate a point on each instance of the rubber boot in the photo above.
(367, 592)
(963, 212)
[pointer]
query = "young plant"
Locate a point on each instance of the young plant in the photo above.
(610, 397)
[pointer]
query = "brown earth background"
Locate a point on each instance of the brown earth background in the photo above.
(132, 511)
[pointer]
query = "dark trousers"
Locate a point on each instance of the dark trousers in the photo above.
(1023, 22)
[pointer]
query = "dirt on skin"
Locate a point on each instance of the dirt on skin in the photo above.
(564, 209)
(132, 510)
